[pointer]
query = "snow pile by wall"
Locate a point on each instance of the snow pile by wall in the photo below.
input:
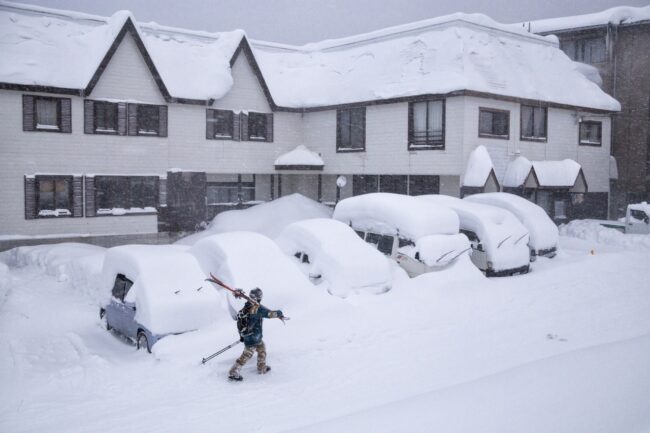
(479, 166)
(335, 251)
(396, 214)
(543, 232)
(617, 15)
(591, 230)
(267, 218)
(169, 288)
(301, 155)
(80, 265)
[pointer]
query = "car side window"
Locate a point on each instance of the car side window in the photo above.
(121, 287)
(639, 215)
(405, 242)
(385, 244)
(305, 258)
(360, 233)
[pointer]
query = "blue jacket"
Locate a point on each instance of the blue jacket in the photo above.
(251, 329)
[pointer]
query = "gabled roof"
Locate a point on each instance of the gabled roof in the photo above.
(300, 158)
(563, 174)
(622, 15)
(480, 170)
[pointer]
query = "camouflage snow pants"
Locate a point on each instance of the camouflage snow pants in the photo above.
(248, 354)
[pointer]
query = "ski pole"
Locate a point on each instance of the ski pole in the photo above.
(230, 346)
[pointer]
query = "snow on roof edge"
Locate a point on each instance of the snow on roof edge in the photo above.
(619, 15)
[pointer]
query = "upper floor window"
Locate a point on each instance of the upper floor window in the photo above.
(493, 123)
(257, 128)
(105, 117)
(590, 133)
(54, 196)
(427, 125)
(45, 113)
(351, 130)
(220, 124)
(590, 50)
(533, 123)
(148, 120)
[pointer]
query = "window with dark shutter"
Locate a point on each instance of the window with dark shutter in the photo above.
(148, 120)
(591, 133)
(493, 123)
(53, 196)
(48, 114)
(105, 117)
(351, 130)
(257, 126)
(533, 123)
(220, 124)
(426, 125)
(118, 195)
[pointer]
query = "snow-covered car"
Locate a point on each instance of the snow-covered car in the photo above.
(543, 232)
(331, 253)
(420, 236)
(636, 220)
(246, 260)
(153, 291)
(499, 241)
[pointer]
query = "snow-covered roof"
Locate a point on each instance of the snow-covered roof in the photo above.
(301, 156)
(453, 53)
(620, 15)
(479, 168)
(561, 174)
(64, 49)
(517, 172)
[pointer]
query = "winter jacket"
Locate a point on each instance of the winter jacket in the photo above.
(252, 315)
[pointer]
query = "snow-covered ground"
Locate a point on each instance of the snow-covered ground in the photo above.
(565, 348)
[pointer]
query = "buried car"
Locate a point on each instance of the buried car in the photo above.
(544, 234)
(153, 291)
(499, 241)
(330, 252)
(420, 236)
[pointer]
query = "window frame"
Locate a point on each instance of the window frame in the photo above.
(411, 146)
(59, 124)
(339, 139)
(521, 123)
(96, 129)
(238, 185)
(129, 195)
(214, 115)
(138, 124)
(494, 111)
(600, 133)
(252, 115)
(53, 178)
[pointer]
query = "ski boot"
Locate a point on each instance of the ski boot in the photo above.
(263, 369)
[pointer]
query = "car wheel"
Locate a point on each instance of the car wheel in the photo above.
(142, 341)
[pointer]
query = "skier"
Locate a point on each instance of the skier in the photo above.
(249, 324)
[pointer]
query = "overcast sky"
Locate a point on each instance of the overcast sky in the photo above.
(301, 21)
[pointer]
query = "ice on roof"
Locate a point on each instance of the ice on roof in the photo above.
(618, 15)
(301, 155)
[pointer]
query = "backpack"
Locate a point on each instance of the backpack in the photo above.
(242, 321)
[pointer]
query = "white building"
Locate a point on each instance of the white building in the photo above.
(110, 126)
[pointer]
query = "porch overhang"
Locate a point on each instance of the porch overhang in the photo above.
(300, 159)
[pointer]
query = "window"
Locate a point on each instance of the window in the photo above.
(351, 130)
(384, 243)
(426, 125)
(148, 120)
(115, 195)
(54, 196)
(424, 184)
(590, 50)
(257, 126)
(223, 123)
(364, 183)
(393, 183)
(48, 114)
(121, 287)
(533, 123)
(105, 117)
(590, 133)
(494, 123)
(230, 192)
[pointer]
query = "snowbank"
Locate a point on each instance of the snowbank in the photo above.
(267, 218)
(503, 237)
(396, 214)
(301, 155)
(169, 287)
(335, 251)
(618, 16)
(591, 230)
(543, 232)
(479, 166)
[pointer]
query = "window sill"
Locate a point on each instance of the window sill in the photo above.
(590, 144)
(222, 137)
(55, 130)
(105, 132)
(349, 150)
(148, 134)
(126, 212)
(257, 139)
(497, 137)
(414, 148)
(535, 139)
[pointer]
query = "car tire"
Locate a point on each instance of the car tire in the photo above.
(142, 342)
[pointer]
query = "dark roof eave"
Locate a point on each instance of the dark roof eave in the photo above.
(299, 167)
(591, 27)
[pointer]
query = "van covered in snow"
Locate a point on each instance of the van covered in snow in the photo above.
(153, 291)
(420, 236)
(543, 232)
(499, 241)
(331, 253)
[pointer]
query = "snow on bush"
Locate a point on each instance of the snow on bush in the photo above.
(543, 231)
(346, 262)
(591, 230)
(267, 218)
(169, 288)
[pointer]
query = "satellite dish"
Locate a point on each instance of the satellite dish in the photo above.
(341, 181)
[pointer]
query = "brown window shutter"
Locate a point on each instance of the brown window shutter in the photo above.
(77, 196)
(66, 115)
(90, 196)
(269, 127)
(162, 191)
(209, 124)
(89, 117)
(132, 114)
(121, 118)
(236, 127)
(162, 118)
(243, 120)
(28, 113)
(30, 198)
(411, 125)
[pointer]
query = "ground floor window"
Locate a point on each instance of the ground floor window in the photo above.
(54, 195)
(126, 194)
(398, 184)
(230, 192)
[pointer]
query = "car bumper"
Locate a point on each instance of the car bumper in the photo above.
(507, 272)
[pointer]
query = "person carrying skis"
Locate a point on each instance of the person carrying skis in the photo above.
(249, 324)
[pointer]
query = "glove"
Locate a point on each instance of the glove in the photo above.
(239, 293)
(280, 315)
(241, 338)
